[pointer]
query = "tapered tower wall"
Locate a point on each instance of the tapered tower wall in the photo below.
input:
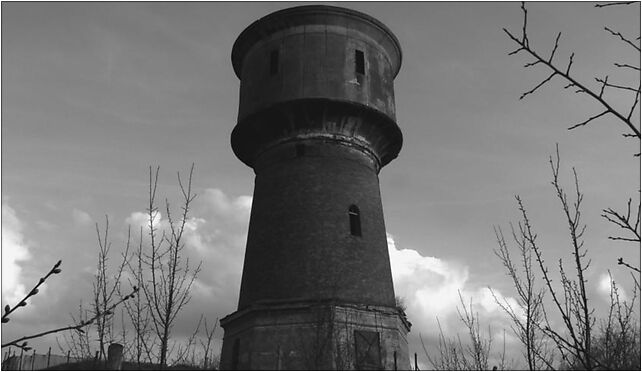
(316, 123)
(300, 246)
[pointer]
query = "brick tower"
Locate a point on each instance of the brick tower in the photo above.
(316, 123)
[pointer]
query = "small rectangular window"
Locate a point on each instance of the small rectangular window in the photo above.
(274, 62)
(355, 220)
(359, 62)
(300, 150)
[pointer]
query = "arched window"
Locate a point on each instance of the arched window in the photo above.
(355, 220)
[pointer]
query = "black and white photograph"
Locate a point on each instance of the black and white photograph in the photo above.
(346, 185)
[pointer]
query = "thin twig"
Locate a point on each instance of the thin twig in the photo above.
(524, 46)
(620, 261)
(77, 327)
(34, 291)
(588, 120)
(618, 34)
(626, 65)
(615, 3)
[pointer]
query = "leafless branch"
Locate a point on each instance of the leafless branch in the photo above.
(524, 46)
(171, 276)
(605, 83)
(626, 65)
(34, 291)
(620, 261)
(20, 342)
(615, 3)
(105, 286)
(625, 222)
(537, 86)
(557, 39)
(635, 103)
(618, 34)
(588, 120)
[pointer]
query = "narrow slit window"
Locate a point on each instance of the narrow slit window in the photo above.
(274, 62)
(300, 150)
(355, 220)
(359, 62)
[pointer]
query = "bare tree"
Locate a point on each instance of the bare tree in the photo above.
(138, 311)
(472, 355)
(167, 289)
(573, 304)
(209, 359)
(618, 342)
(186, 353)
(34, 291)
(565, 73)
(579, 343)
(106, 288)
(77, 343)
(529, 313)
(77, 326)
(197, 351)
(628, 223)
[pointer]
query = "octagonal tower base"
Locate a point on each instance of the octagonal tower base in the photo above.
(315, 336)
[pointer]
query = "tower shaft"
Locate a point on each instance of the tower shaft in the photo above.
(317, 124)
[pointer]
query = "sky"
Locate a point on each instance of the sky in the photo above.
(95, 93)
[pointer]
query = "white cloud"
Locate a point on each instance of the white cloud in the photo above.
(430, 287)
(420, 280)
(604, 285)
(215, 233)
(81, 218)
(141, 219)
(14, 250)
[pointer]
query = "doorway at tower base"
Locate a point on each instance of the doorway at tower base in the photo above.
(315, 336)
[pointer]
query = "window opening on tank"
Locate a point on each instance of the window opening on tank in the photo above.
(300, 150)
(355, 220)
(274, 62)
(359, 62)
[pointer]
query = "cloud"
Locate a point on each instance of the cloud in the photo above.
(430, 288)
(81, 218)
(605, 285)
(419, 280)
(14, 251)
(215, 234)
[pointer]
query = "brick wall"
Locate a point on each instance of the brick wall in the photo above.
(300, 244)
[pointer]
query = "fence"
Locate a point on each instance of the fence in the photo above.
(32, 361)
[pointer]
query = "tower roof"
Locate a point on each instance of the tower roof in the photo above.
(311, 15)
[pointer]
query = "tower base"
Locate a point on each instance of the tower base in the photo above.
(315, 336)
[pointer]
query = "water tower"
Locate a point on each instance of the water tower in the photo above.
(316, 123)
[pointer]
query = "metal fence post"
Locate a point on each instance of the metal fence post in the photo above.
(20, 364)
(48, 356)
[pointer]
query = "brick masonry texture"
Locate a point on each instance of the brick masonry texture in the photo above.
(299, 243)
(317, 124)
